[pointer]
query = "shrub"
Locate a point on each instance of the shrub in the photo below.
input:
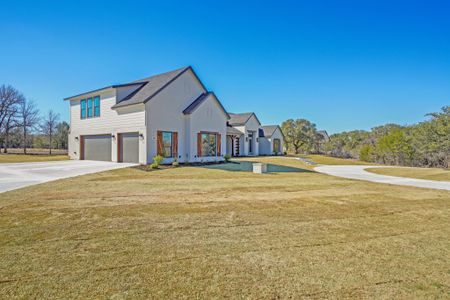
(156, 161)
(366, 153)
(227, 157)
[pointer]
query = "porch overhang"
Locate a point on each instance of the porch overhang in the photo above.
(231, 131)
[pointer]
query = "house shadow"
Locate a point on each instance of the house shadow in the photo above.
(247, 166)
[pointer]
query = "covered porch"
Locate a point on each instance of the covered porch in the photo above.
(234, 143)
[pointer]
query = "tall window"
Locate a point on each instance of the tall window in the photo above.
(276, 145)
(167, 144)
(89, 107)
(97, 106)
(209, 144)
(83, 108)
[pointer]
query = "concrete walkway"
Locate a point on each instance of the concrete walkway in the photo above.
(18, 175)
(358, 172)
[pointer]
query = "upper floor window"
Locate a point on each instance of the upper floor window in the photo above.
(83, 108)
(90, 107)
(97, 106)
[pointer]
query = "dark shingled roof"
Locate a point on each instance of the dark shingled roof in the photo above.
(190, 109)
(146, 87)
(197, 102)
(268, 130)
(241, 119)
(153, 85)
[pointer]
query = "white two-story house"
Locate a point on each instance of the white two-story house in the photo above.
(170, 114)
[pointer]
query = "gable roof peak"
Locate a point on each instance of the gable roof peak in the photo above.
(199, 101)
(154, 85)
(269, 130)
(241, 118)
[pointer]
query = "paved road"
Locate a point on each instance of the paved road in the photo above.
(358, 172)
(18, 175)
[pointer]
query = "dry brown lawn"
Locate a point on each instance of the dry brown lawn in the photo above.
(328, 160)
(206, 233)
(420, 173)
(20, 158)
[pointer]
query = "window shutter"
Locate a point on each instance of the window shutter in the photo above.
(219, 144)
(199, 144)
(175, 144)
(159, 143)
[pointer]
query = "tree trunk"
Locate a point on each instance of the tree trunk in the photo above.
(50, 144)
(24, 141)
(6, 141)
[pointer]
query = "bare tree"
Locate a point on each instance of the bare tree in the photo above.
(10, 101)
(11, 122)
(48, 126)
(28, 119)
(62, 135)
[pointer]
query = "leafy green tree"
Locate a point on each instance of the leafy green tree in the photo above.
(395, 148)
(299, 134)
(367, 153)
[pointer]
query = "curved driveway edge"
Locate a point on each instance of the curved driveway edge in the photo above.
(358, 172)
(18, 175)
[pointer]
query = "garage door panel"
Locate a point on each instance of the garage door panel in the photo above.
(97, 147)
(129, 147)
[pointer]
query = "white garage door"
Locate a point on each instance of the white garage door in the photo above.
(129, 147)
(96, 147)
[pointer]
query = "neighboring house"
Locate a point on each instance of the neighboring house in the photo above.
(243, 134)
(324, 135)
(271, 140)
(171, 114)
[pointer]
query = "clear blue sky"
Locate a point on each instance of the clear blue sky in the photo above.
(341, 64)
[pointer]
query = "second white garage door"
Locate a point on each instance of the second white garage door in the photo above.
(129, 147)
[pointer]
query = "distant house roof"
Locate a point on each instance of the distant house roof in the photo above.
(197, 102)
(241, 118)
(147, 87)
(268, 130)
(324, 134)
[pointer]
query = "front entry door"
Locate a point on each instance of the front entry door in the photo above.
(250, 143)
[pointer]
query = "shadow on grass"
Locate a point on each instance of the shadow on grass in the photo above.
(247, 166)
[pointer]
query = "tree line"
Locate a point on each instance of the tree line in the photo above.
(425, 144)
(23, 126)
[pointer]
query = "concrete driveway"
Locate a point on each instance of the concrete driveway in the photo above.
(18, 175)
(358, 172)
